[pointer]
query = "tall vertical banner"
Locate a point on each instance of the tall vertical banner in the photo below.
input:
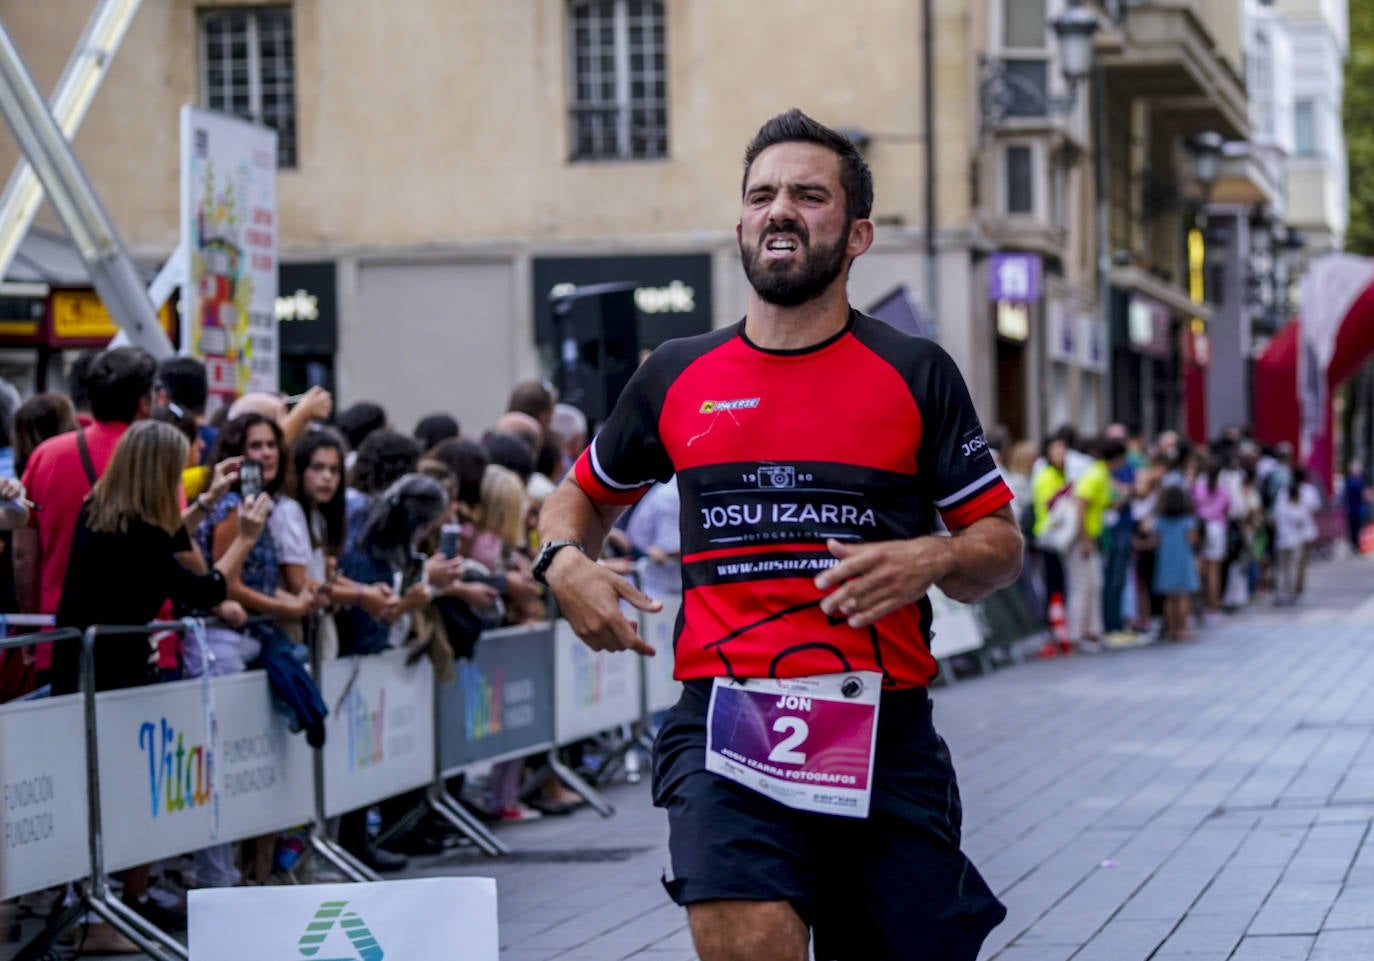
(229, 235)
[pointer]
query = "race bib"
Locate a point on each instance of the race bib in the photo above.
(806, 742)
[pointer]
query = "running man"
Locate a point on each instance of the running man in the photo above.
(817, 450)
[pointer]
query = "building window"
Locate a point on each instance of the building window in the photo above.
(1025, 57)
(1261, 89)
(1305, 128)
(248, 59)
(1020, 183)
(619, 80)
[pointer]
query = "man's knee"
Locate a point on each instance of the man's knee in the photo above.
(747, 931)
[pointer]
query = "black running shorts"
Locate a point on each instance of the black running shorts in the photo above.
(892, 887)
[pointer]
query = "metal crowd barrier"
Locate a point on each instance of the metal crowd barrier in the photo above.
(180, 766)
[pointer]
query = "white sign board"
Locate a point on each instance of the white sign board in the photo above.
(592, 691)
(662, 691)
(954, 627)
(229, 236)
(414, 920)
(171, 783)
(379, 739)
(43, 773)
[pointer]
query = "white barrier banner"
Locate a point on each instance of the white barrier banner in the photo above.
(168, 785)
(954, 627)
(380, 729)
(43, 773)
(657, 629)
(592, 691)
(414, 920)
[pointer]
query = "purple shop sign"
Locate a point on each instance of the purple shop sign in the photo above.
(1014, 277)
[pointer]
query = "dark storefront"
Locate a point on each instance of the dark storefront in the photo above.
(307, 325)
(1146, 379)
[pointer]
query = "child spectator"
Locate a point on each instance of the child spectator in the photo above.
(1175, 574)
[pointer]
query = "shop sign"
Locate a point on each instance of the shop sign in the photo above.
(1147, 326)
(672, 291)
(306, 309)
(1014, 277)
(80, 316)
(1013, 320)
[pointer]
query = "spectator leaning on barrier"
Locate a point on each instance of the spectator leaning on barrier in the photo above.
(62, 470)
(384, 458)
(123, 568)
(256, 585)
(358, 422)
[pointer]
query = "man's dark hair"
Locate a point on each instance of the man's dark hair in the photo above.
(76, 380)
(358, 421)
(509, 451)
(533, 397)
(384, 457)
(435, 428)
(1109, 449)
(118, 381)
(184, 380)
(796, 127)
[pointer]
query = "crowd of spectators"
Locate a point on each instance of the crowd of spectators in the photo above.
(1130, 541)
(285, 524)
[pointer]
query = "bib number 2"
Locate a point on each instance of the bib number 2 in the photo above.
(786, 750)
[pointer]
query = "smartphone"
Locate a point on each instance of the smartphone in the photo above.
(448, 539)
(250, 479)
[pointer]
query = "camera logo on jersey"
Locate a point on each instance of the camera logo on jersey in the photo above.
(777, 478)
(716, 406)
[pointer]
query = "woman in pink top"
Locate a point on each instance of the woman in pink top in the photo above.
(1213, 505)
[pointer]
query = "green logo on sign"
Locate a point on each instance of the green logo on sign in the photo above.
(329, 914)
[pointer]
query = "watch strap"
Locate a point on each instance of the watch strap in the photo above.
(546, 555)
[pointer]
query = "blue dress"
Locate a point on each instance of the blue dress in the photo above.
(1175, 566)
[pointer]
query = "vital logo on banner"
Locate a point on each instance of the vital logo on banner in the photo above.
(179, 776)
(331, 913)
(366, 729)
(482, 700)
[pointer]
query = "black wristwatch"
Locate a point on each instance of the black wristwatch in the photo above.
(544, 558)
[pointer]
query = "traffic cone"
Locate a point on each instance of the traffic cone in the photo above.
(1059, 628)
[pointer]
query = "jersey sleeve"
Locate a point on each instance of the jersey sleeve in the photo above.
(956, 469)
(627, 456)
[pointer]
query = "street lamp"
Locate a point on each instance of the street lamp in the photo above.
(1074, 29)
(1206, 149)
(1000, 88)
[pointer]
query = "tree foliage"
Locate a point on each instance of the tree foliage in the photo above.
(1358, 113)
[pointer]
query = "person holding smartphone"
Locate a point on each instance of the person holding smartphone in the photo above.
(259, 585)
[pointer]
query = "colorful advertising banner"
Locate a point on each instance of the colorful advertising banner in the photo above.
(229, 234)
(379, 736)
(501, 704)
(593, 691)
(188, 764)
(43, 774)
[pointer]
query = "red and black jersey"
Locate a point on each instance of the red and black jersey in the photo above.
(863, 437)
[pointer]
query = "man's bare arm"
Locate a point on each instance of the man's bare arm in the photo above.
(988, 555)
(873, 580)
(588, 593)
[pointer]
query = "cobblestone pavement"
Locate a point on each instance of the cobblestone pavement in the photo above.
(1203, 801)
